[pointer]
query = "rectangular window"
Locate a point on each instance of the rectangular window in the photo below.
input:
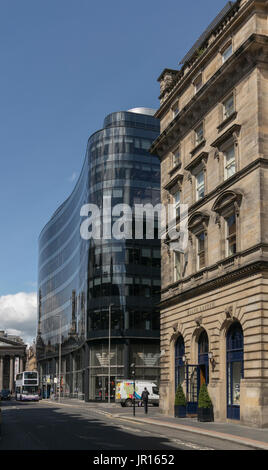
(177, 266)
(231, 235)
(200, 185)
(227, 53)
(177, 157)
(175, 109)
(201, 250)
(228, 107)
(177, 201)
(229, 162)
(198, 83)
(199, 134)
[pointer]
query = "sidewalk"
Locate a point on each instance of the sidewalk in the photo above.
(253, 437)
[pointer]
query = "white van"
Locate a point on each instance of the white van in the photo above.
(124, 392)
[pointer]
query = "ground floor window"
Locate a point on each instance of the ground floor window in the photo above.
(234, 351)
(179, 364)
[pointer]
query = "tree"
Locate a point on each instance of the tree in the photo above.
(204, 400)
(180, 399)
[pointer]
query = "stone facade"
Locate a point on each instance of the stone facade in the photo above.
(12, 359)
(214, 154)
(31, 364)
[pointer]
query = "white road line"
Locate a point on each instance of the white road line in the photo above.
(191, 445)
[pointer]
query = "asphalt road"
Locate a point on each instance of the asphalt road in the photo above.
(45, 426)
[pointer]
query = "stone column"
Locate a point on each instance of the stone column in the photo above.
(1, 372)
(21, 365)
(11, 374)
(86, 375)
(74, 375)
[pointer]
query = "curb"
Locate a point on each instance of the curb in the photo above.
(204, 432)
(215, 434)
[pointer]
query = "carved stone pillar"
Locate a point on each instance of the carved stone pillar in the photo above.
(11, 373)
(1, 372)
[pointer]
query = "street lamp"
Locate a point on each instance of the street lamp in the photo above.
(133, 372)
(59, 316)
(109, 354)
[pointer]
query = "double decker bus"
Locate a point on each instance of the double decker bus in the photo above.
(27, 385)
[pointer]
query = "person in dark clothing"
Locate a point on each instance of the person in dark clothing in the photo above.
(145, 398)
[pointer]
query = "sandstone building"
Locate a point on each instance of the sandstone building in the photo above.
(12, 359)
(213, 148)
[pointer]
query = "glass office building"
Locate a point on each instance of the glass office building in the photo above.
(94, 289)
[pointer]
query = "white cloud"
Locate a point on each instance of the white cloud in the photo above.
(18, 315)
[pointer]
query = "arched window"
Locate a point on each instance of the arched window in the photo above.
(203, 358)
(234, 356)
(179, 364)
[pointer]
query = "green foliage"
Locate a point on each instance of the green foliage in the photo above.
(180, 399)
(200, 52)
(204, 400)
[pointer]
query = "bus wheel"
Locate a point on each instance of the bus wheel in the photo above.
(128, 402)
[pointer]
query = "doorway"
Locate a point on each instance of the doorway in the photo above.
(101, 388)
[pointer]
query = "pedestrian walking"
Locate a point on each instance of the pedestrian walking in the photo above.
(145, 398)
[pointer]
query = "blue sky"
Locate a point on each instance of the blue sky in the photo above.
(66, 64)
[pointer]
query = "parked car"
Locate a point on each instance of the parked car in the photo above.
(5, 395)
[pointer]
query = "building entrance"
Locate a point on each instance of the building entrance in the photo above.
(197, 374)
(192, 388)
(101, 388)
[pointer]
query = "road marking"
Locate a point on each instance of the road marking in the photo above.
(132, 429)
(190, 444)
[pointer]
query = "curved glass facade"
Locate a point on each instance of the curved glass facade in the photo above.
(79, 279)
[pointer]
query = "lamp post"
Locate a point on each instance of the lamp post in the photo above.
(133, 372)
(109, 354)
(59, 316)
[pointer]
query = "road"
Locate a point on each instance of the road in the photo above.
(49, 426)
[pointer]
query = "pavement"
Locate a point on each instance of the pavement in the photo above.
(230, 431)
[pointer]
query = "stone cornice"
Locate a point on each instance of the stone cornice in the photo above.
(234, 129)
(236, 274)
(244, 59)
(184, 79)
(201, 158)
(11, 343)
(176, 180)
(12, 352)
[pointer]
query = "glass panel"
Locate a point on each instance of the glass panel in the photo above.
(192, 385)
(236, 376)
(199, 134)
(177, 157)
(229, 398)
(201, 250)
(201, 242)
(177, 265)
(200, 185)
(198, 83)
(175, 109)
(181, 374)
(227, 53)
(230, 168)
(228, 106)
(231, 234)
(177, 199)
